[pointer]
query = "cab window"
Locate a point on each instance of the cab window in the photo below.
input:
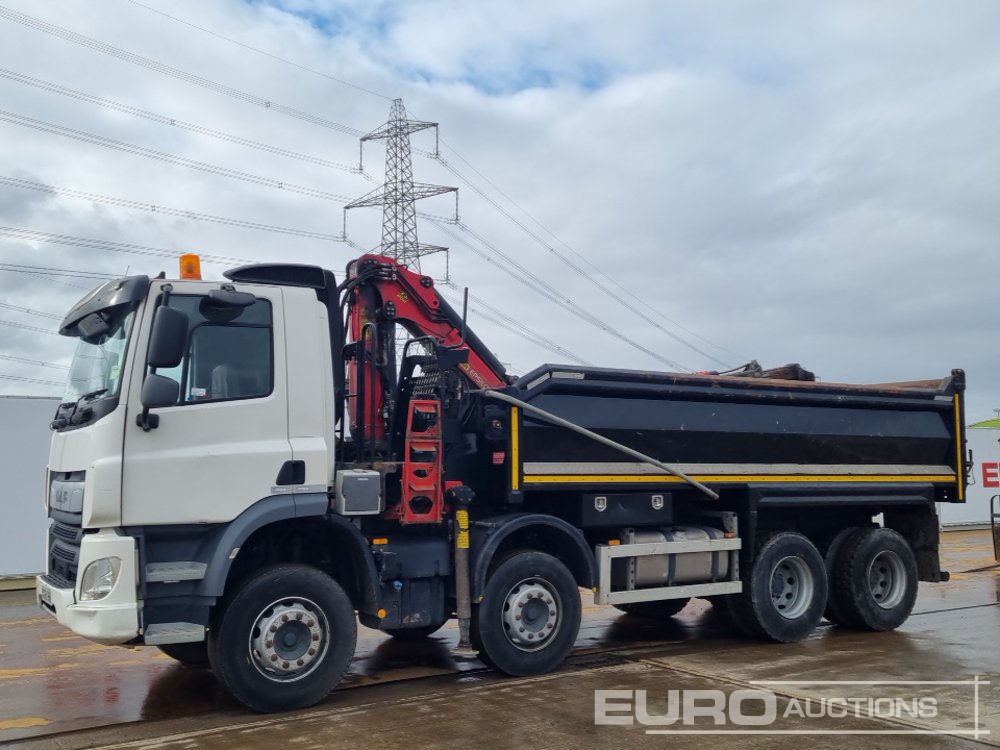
(229, 352)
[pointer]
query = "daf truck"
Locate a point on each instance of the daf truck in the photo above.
(244, 470)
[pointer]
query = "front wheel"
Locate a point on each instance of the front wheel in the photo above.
(529, 616)
(285, 639)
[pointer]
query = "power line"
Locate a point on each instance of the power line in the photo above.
(43, 277)
(30, 311)
(519, 272)
(166, 210)
(150, 64)
(511, 324)
(570, 264)
(498, 316)
(149, 153)
(73, 273)
(262, 52)
(174, 122)
(642, 312)
(33, 380)
(524, 331)
(215, 169)
(628, 292)
(119, 247)
(26, 327)
(502, 319)
(539, 284)
(35, 362)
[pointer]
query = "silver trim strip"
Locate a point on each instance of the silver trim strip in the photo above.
(537, 381)
(172, 572)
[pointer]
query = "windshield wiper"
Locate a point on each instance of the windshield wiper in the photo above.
(61, 419)
(79, 417)
(73, 408)
(88, 396)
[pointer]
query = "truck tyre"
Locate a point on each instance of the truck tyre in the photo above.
(830, 549)
(188, 654)
(875, 580)
(529, 617)
(414, 634)
(285, 638)
(785, 594)
(658, 610)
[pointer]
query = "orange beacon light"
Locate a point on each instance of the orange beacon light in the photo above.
(191, 267)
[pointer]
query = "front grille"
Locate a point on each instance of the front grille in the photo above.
(58, 582)
(67, 533)
(64, 553)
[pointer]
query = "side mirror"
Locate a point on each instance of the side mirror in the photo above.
(159, 391)
(168, 340)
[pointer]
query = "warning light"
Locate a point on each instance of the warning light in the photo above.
(380, 541)
(191, 267)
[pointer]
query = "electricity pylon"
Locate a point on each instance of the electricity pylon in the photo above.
(399, 193)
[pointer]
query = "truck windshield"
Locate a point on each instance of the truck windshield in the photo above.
(96, 370)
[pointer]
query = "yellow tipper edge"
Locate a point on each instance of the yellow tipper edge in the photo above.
(515, 452)
(960, 476)
(730, 478)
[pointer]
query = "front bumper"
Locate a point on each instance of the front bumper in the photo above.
(112, 620)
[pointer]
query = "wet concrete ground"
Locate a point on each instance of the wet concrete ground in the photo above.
(60, 691)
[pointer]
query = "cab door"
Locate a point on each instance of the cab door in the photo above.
(219, 448)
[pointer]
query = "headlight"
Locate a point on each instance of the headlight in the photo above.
(99, 578)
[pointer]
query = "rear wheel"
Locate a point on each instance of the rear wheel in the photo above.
(658, 610)
(188, 654)
(784, 596)
(529, 617)
(285, 639)
(831, 549)
(875, 579)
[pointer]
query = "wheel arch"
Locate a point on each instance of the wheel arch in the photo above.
(272, 531)
(493, 537)
(919, 525)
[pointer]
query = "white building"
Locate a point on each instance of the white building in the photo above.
(24, 452)
(984, 442)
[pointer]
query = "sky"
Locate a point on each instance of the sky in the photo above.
(700, 183)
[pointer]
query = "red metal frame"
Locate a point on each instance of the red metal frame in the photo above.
(423, 490)
(417, 308)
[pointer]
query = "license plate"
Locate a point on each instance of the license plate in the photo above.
(44, 594)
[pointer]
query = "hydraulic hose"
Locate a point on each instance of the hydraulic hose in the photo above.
(556, 420)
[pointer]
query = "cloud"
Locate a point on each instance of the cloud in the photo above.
(791, 182)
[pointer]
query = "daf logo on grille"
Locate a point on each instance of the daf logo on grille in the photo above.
(600, 504)
(657, 502)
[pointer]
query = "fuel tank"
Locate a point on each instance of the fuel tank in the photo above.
(671, 570)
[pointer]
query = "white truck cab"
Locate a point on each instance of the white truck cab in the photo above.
(243, 422)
